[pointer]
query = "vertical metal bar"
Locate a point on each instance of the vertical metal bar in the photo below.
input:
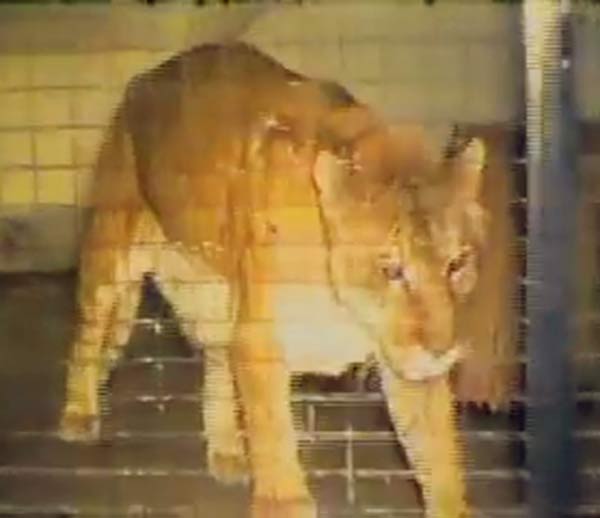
(553, 199)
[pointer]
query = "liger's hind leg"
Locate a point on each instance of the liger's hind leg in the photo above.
(121, 326)
(107, 304)
(202, 301)
(424, 417)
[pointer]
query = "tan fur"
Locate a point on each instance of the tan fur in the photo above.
(488, 318)
(249, 184)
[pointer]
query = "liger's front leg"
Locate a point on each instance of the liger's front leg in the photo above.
(227, 460)
(424, 416)
(280, 489)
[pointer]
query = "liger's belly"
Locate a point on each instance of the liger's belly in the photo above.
(316, 333)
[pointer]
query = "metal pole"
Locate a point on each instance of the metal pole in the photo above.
(553, 201)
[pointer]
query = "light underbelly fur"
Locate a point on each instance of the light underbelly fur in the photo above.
(316, 332)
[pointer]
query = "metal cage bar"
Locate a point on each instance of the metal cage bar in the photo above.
(553, 200)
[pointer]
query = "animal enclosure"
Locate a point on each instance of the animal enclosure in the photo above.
(438, 66)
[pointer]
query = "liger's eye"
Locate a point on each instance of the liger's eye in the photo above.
(458, 263)
(461, 272)
(393, 271)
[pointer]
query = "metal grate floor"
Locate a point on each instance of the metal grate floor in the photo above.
(152, 461)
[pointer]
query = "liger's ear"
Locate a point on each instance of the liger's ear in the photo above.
(468, 167)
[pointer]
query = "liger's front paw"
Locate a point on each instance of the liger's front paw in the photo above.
(275, 508)
(229, 467)
(79, 427)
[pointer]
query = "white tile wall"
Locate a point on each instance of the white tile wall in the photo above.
(91, 68)
(362, 60)
(410, 62)
(15, 148)
(428, 49)
(92, 106)
(292, 55)
(54, 147)
(123, 65)
(54, 69)
(322, 59)
(401, 61)
(57, 186)
(15, 70)
(404, 101)
(14, 111)
(50, 107)
(18, 187)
